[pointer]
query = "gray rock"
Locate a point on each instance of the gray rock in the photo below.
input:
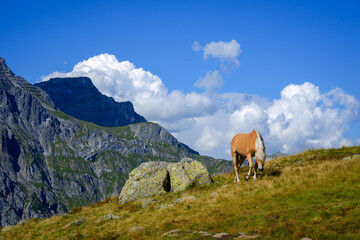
(244, 236)
(172, 233)
(156, 178)
(351, 157)
(162, 206)
(204, 234)
(186, 198)
(148, 179)
(76, 222)
(222, 236)
(110, 217)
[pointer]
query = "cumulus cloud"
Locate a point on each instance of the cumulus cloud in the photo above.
(226, 52)
(212, 80)
(125, 82)
(303, 117)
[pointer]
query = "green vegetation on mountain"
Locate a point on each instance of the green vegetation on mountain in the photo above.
(314, 194)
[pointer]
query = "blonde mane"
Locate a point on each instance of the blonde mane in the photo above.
(259, 146)
(259, 142)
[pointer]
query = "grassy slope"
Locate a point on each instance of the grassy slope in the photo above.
(314, 194)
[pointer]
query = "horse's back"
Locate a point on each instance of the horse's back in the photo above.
(241, 143)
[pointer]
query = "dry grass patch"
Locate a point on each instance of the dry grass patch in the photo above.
(313, 194)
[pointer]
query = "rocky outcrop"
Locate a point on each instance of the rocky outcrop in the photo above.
(79, 98)
(155, 178)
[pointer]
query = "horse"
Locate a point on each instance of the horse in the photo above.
(248, 145)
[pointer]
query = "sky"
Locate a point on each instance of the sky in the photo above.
(205, 70)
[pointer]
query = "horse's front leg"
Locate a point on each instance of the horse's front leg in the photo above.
(249, 158)
(255, 170)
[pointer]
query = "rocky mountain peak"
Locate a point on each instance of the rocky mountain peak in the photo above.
(79, 97)
(4, 69)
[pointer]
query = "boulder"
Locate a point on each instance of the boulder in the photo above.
(155, 178)
(187, 173)
(151, 178)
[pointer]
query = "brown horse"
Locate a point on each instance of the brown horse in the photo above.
(248, 145)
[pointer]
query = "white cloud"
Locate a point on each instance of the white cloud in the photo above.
(124, 82)
(226, 52)
(301, 118)
(222, 50)
(211, 81)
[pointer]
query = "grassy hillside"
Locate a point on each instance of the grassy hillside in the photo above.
(314, 194)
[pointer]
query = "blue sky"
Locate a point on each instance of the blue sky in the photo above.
(282, 43)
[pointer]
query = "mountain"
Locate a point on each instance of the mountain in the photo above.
(51, 162)
(276, 155)
(79, 98)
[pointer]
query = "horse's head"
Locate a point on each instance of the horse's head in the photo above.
(260, 158)
(260, 151)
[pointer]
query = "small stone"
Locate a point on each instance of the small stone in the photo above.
(172, 232)
(306, 239)
(76, 222)
(351, 157)
(188, 198)
(147, 201)
(204, 234)
(137, 229)
(110, 217)
(222, 236)
(244, 236)
(179, 200)
(299, 162)
(166, 206)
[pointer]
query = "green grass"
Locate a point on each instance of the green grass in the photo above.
(314, 194)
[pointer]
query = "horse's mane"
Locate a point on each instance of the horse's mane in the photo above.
(259, 142)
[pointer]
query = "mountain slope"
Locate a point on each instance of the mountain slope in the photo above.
(314, 195)
(52, 162)
(79, 98)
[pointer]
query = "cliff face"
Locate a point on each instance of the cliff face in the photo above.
(79, 98)
(51, 162)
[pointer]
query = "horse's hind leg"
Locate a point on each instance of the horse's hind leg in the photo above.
(236, 159)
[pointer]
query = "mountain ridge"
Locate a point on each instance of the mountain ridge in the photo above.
(52, 162)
